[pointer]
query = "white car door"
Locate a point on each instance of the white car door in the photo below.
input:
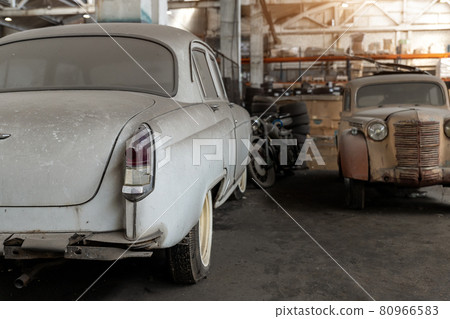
(214, 97)
(241, 123)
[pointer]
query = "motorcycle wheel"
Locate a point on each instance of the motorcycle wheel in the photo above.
(263, 175)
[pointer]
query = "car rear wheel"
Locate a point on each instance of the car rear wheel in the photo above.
(189, 260)
(355, 193)
(242, 186)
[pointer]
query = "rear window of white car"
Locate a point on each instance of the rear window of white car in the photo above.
(420, 93)
(88, 63)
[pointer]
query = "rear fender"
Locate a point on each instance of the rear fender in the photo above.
(354, 156)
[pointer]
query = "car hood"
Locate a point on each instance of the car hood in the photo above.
(60, 143)
(383, 113)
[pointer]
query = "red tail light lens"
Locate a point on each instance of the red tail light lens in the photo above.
(140, 164)
(137, 153)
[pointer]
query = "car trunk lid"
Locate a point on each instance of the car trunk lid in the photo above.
(60, 143)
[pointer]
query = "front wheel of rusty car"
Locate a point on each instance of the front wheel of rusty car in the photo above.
(355, 193)
(190, 259)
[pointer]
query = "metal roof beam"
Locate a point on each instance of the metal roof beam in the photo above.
(308, 13)
(269, 20)
(403, 28)
(192, 4)
(21, 4)
(425, 10)
(387, 14)
(61, 11)
(317, 22)
(12, 26)
(355, 13)
(51, 19)
(68, 2)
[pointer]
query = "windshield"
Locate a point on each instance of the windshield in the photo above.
(87, 63)
(420, 93)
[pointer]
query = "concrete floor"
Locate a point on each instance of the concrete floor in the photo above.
(397, 249)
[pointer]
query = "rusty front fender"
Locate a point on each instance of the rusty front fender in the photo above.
(354, 156)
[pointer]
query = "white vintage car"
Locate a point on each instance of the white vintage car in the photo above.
(115, 140)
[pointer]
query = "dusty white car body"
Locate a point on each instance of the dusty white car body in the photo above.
(62, 167)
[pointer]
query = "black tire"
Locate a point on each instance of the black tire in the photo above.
(301, 138)
(249, 94)
(298, 120)
(259, 108)
(341, 175)
(295, 108)
(189, 260)
(263, 175)
(301, 129)
(355, 193)
(263, 99)
(242, 186)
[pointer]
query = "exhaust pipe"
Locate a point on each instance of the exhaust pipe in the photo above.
(27, 277)
(22, 281)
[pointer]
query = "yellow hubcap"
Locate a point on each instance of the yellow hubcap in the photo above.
(205, 230)
(243, 182)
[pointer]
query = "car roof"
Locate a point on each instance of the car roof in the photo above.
(173, 37)
(404, 77)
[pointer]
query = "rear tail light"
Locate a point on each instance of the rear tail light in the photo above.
(140, 164)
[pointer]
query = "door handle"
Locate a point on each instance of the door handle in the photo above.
(214, 107)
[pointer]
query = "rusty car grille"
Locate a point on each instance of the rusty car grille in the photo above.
(417, 144)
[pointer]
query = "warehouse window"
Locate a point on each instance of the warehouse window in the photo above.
(204, 73)
(87, 63)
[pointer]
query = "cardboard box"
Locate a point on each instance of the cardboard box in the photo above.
(388, 46)
(323, 127)
(443, 68)
(323, 109)
(357, 40)
(374, 48)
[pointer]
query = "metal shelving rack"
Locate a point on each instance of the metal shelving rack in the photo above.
(396, 58)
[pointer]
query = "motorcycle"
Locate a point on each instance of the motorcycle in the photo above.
(276, 142)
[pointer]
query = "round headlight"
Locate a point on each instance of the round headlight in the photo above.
(377, 131)
(447, 128)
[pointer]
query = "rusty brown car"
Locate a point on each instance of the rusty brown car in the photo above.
(394, 129)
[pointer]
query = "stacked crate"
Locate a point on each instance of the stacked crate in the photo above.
(443, 68)
(324, 113)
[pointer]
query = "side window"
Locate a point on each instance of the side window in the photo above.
(217, 78)
(346, 101)
(205, 76)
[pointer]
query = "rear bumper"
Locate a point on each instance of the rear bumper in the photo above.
(416, 177)
(82, 246)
